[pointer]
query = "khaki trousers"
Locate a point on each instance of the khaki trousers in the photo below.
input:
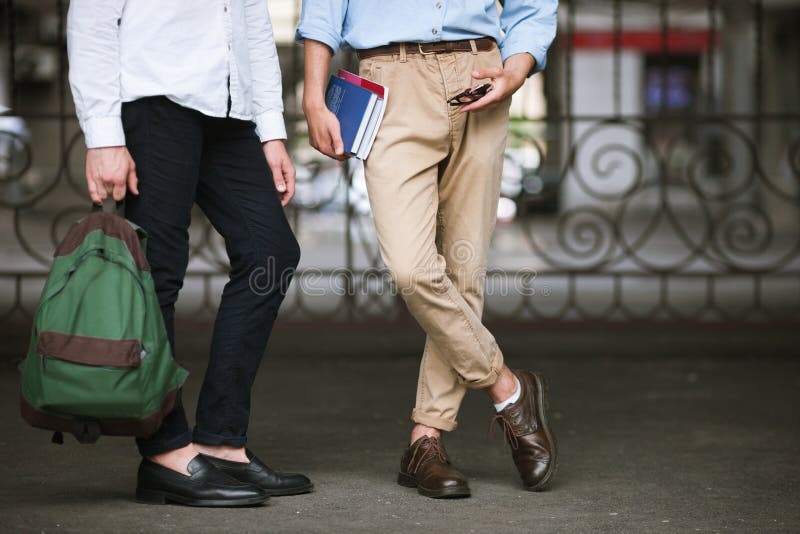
(433, 178)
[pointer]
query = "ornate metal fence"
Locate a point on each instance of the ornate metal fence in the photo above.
(652, 174)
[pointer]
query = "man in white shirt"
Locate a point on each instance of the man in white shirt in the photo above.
(180, 102)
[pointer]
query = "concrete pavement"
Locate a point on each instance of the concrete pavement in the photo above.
(659, 431)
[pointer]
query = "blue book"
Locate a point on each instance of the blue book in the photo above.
(353, 106)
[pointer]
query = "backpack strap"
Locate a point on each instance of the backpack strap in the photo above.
(86, 431)
(119, 207)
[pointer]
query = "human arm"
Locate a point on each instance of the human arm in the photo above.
(94, 70)
(320, 30)
(529, 27)
(324, 130)
(268, 97)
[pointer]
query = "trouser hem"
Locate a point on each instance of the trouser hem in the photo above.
(148, 449)
(422, 418)
(495, 364)
(205, 438)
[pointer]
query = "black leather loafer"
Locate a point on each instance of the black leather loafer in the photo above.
(258, 474)
(207, 486)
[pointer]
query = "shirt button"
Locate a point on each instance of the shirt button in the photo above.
(439, 5)
(434, 31)
(225, 9)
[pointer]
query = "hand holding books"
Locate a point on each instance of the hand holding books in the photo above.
(359, 105)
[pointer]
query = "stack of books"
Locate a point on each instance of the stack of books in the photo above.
(359, 105)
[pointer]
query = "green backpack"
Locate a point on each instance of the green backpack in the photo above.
(99, 360)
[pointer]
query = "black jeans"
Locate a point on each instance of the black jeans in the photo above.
(183, 157)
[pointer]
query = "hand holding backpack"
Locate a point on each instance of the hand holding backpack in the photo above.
(99, 361)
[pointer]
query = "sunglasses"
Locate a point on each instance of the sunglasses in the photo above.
(469, 95)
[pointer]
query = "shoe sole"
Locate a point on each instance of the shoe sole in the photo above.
(454, 492)
(289, 491)
(543, 406)
(146, 496)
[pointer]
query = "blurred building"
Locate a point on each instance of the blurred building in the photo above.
(652, 170)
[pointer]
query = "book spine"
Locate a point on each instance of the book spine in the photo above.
(377, 125)
(362, 127)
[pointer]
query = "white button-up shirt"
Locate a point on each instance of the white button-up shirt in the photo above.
(197, 53)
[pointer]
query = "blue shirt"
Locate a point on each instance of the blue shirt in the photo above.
(522, 26)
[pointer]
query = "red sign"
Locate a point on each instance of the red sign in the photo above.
(646, 41)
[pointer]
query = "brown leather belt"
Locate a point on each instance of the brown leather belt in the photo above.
(441, 47)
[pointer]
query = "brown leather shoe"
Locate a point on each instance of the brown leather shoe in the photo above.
(425, 466)
(524, 425)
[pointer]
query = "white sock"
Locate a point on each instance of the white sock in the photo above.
(512, 399)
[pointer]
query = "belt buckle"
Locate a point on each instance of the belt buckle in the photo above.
(423, 52)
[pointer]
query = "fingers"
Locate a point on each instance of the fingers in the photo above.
(282, 169)
(289, 174)
(337, 149)
(326, 136)
(487, 102)
(125, 180)
(336, 140)
(480, 74)
(322, 144)
(117, 184)
(277, 177)
(110, 171)
(94, 193)
(133, 180)
(119, 190)
(329, 148)
(100, 188)
(286, 187)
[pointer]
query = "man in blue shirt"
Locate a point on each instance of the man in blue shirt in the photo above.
(433, 177)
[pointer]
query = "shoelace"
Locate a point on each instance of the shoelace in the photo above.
(421, 453)
(508, 430)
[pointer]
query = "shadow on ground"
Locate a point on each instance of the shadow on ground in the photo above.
(658, 431)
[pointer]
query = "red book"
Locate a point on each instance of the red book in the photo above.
(361, 82)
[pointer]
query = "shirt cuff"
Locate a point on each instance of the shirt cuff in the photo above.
(328, 38)
(103, 131)
(269, 126)
(509, 48)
